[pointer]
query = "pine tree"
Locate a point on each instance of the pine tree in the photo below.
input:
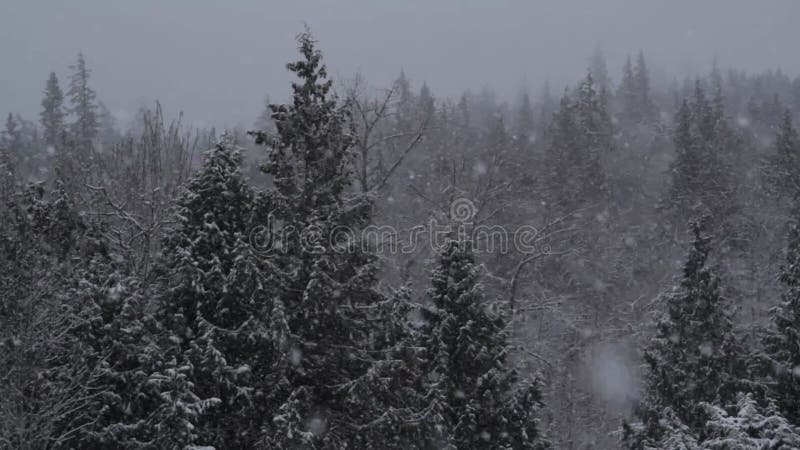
(406, 104)
(107, 134)
(627, 92)
(634, 92)
(9, 146)
(427, 106)
(580, 135)
(645, 110)
(12, 135)
(782, 173)
(796, 93)
(701, 182)
(670, 433)
(479, 400)
(52, 115)
(7, 178)
(144, 399)
(599, 70)
(753, 427)
(693, 356)
(782, 342)
(686, 179)
(83, 105)
(339, 384)
(216, 307)
(524, 121)
(593, 119)
(547, 106)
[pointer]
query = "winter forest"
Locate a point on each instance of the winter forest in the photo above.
(606, 262)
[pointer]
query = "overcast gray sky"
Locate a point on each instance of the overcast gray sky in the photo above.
(216, 60)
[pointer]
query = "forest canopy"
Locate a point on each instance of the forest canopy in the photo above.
(612, 266)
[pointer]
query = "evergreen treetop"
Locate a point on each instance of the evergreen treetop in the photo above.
(83, 104)
(52, 115)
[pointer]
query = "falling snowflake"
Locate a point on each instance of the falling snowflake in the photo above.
(316, 426)
(480, 168)
(743, 122)
(296, 356)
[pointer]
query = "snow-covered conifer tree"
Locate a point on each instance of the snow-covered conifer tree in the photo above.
(479, 398)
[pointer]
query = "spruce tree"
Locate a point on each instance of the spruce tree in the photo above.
(593, 119)
(752, 427)
(216, 307)
(796, 93)
(83, 106)
(782, 174)
(599, 70)
(479, 400)
(427, 106)
(524, 121)
(686, 169)
(701, 183)
(9, 143)
(580, 135)
(11, 137)
(645, 110)
(782, 342)
(634, 91)
(693, 356)
(627, 92)
(339, 380)
(562, 188)
(52, 115)
(547, 106)
(406, 104)
(144, 399)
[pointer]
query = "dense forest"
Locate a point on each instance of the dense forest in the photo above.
(616, 265)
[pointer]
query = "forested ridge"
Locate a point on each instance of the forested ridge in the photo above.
(616, 265)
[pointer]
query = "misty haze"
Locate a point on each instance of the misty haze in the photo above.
(568, 225)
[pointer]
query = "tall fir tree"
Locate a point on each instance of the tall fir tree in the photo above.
(406, 104)
(524, 121)
(427, 104)
(83, 106)
(752, 426)
(52, 115)
(694, 356)
(626, 93)
(480, 401)
(594, 122)
(645, 109)
(796, 93)
(546, 107)
(701, 182)
(339, 380)
(9, 146)
(216, 305)
(782, 341)
(633, 95)
(599, 70)
(12, 134)
(580, 134)
(782, 171)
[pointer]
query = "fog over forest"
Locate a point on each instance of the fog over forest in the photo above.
(412, 225)
(215, 61)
